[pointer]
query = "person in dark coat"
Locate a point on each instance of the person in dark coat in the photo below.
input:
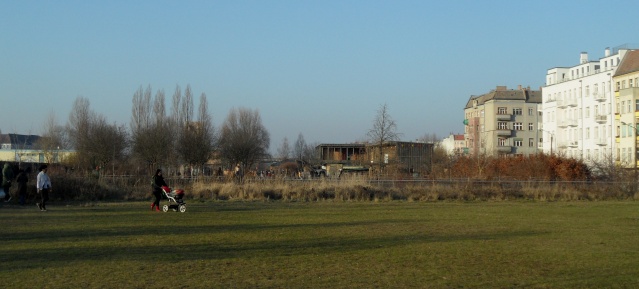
(157, 184)
(7, 177)
(22, 180)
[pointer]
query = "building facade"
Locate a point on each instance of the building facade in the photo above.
(454, 144)
(503, 122)
(579, 108)
(626, 87)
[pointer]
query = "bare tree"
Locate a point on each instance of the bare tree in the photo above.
(150, 128)
(429, 138)
(284, 151)
(108, 143)
(54, 138)
(141, 110)
(78, 128)
(96, 142)
(300, 146)
(311, 154)
(197, 139)
(384, 130)
(243, 138)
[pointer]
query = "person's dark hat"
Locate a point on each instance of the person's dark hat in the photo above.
(42, 167)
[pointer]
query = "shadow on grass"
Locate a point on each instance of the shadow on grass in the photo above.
(153, 251)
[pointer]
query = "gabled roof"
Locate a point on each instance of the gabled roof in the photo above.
(629, 63)
(501, 93)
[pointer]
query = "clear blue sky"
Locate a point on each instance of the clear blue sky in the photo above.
(320, 68)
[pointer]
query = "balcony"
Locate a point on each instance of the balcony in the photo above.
(506, 117)
(504, 149)
(601, 142)
(504, 132)
(573, 103)
(601, 118)
(599, 97)
(568, 122)
(573, 144)
(561, 103)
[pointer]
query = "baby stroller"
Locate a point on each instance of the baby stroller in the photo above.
(175, 197)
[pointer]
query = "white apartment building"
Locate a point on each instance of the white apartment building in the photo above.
(454, 144)
(578, 108)
(503, 122)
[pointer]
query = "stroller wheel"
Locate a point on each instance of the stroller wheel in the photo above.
(182, 208)
(165, 208)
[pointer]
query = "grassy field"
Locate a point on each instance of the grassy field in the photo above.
(323, 245)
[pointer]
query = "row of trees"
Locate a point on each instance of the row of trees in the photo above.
(158, 136)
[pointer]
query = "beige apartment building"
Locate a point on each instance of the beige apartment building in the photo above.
(626, 80)
(503, 122)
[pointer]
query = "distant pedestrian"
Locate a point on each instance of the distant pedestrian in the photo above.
(7, 177)
(22, 180)
(43, 184)
(157, 183)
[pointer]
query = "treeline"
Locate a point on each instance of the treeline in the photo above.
(179, 135)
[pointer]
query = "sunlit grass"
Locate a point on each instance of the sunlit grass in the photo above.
(323, 245)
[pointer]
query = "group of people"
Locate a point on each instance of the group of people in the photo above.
(43, 185)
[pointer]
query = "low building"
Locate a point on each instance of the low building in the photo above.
(395, 157)
(19, 148)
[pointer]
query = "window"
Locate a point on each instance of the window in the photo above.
(588, 112)
(618, 107)
(630, 83)
(502, 110)
(530, 126)
(502, 125)
(629, 106)
(587, 90)
(531, 142)
(518, 126)
(517, 111)
(587, 133)
(501, 142)
(618, 86)
(623, 106)
(637, 105)
(530, 112)
(518, 143)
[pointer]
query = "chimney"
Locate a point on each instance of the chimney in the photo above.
(607, 52)
(501, 88)
(519, 87)
(583, 58)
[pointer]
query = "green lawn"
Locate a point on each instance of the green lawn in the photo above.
(323, 245)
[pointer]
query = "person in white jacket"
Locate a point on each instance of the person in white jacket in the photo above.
(43, 183)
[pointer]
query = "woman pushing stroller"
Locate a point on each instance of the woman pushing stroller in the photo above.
(157, 183)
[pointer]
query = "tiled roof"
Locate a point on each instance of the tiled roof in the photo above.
(629, 63)
(530, 96)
